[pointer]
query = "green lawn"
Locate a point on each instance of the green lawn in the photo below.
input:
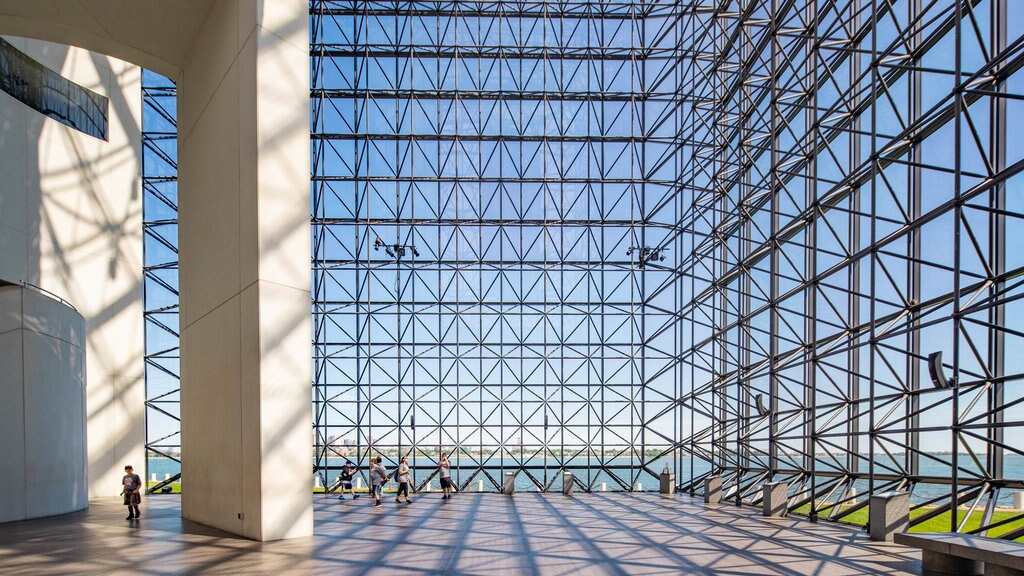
(175, 486)
(940, 523)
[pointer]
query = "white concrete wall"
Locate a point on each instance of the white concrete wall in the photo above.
(242, 68)
(243, 112)
(71, 222)
(42, 415)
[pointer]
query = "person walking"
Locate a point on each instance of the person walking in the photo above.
(444, 470)
(130, 486)
(403, 481)
(378, 475)
(346, 480)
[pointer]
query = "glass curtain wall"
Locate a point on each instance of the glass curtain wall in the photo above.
(160, 276)
(496, 238)
(606, 237)
(854, 204)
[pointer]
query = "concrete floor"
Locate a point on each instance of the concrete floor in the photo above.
(490, 534)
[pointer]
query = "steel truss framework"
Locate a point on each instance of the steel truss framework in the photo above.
(852, 200)
(833, 187)
(160, 267)
(496, 237)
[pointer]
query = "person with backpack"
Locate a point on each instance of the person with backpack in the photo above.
(402, 475)
(444, 470)
(378, 475)
(346, 480)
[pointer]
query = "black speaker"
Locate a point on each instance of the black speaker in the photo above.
(759, 401)
(935, 371)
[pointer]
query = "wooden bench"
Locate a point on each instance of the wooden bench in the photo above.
(950, 553)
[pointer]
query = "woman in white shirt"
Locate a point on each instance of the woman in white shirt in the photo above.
(403, 481)
(444, 470)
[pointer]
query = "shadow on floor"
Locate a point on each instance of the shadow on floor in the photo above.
(525, 534)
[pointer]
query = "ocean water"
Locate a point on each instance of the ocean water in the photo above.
(1013, 469)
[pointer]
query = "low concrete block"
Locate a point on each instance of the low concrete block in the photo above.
(668, 482)
(567, 483)
(775, 498)
(713, 489)
(889, 513)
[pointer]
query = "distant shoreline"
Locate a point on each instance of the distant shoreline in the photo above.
(457, 455)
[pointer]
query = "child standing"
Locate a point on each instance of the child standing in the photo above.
(130, 486)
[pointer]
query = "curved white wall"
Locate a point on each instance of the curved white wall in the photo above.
(71, 222)
(42, 412)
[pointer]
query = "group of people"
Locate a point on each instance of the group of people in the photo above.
(379, 475)
(132, 484)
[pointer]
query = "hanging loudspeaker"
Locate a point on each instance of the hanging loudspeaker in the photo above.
(759, 401)
(935, 371)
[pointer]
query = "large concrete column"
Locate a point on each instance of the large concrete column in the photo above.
(243, 114)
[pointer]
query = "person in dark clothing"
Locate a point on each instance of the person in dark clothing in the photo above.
(346, 480)
(131, 484)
